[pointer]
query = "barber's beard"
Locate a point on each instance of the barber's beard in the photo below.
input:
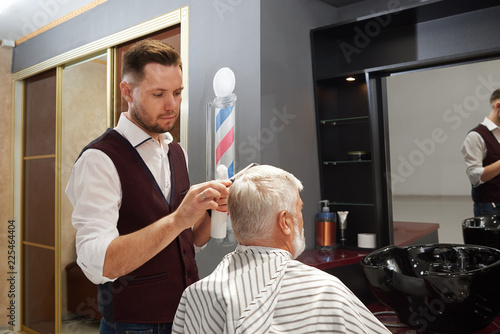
(299, 241)
(141, 118)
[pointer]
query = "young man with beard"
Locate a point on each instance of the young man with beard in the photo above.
(138, 220)
(260, 288)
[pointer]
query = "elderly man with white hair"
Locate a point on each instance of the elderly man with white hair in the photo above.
(260, 288)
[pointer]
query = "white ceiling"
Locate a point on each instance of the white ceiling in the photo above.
(19, 18)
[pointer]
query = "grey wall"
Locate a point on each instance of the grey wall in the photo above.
(233, 40)
(287, 130)
(288, 121)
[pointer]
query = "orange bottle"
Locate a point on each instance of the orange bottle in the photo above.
(326, 228)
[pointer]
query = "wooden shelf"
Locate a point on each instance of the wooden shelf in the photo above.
(333, 163)
(345, 120)
(350, 204)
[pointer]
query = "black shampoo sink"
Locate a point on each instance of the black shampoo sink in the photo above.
(482, 231)
(437, 288)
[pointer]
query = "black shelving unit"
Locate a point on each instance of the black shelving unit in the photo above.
(344, 124)
(352, 116)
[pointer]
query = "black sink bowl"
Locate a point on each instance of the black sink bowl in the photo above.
(482, 231)
(437, 288)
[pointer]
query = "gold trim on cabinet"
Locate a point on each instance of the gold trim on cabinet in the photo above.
(18, 184)
(28, 330)
(184, 116)
(36, 157)
(22, 204)
(57, 202)
(34, 244)
(111, 84)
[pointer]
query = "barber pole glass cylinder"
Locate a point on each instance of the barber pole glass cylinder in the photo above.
(221, 152)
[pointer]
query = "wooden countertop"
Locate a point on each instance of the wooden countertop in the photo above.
(405, 233)
(331, 259)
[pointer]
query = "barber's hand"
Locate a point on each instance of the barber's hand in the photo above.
(201, 197)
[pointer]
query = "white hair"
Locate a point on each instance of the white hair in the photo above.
(257, 197)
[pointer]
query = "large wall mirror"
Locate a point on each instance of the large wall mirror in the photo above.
(429, 113)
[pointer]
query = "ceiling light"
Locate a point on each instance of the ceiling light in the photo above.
(350, 79)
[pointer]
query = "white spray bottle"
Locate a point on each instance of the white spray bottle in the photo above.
(219, 218)
(221, 229)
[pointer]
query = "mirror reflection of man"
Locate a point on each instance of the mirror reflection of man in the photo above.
(481, 150)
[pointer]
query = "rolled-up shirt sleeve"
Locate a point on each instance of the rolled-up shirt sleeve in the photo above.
(94, 190)
(474, 151)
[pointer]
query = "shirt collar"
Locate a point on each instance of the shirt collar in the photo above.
(261, 249)
(135, 135)
(489, 124)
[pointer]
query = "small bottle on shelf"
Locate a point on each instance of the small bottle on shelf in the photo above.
(326, 228)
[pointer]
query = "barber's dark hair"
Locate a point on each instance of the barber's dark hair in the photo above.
(145, 52)
(495, 96)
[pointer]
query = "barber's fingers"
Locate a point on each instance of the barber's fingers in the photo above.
(220, 185)
(213, 194)
(210, 194)
(220, 202)
(213, 190)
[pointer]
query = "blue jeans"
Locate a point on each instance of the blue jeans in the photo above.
(109, 327)
(486, 209)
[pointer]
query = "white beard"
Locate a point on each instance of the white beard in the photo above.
(299, 241)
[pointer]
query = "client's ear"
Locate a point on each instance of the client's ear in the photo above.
(285, 222)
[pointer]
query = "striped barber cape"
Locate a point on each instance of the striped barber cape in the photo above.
(262, 290)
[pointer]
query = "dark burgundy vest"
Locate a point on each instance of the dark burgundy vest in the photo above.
(151, 293)
(489, 191)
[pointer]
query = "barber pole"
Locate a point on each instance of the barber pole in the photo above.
(224, 138)
(221, 156)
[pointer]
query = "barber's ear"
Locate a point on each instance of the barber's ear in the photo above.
(285, 222)
(126, 90)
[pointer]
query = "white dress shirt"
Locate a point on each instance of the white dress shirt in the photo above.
(262, 290)
(94, 190)
(474, 151)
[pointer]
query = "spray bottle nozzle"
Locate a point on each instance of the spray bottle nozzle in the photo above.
(324, 204)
